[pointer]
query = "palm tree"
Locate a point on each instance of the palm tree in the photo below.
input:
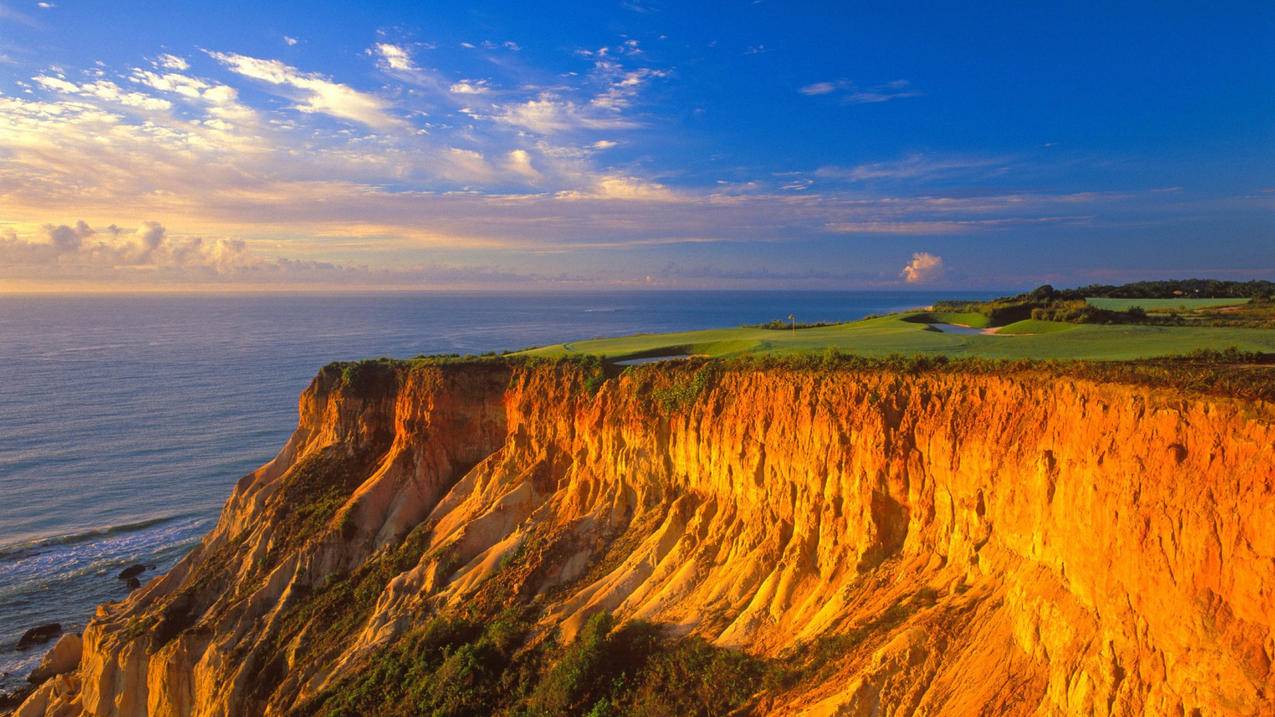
(793, 319)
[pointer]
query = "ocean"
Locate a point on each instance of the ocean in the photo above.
(126, 420)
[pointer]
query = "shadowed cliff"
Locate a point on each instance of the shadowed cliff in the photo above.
(480, 537)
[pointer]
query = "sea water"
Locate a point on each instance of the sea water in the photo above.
(125, 420)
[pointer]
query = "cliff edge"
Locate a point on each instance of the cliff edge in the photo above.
(537, 538)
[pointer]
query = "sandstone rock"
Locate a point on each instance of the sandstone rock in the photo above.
(1014, 544)
(64, 657)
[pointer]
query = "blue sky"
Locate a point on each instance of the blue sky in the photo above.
(635, 143)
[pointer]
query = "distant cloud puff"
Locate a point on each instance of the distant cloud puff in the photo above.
(917, 167)
(852, 94)
(520, 164)
(470, 87)
(818, 88)
(924, 267)
(172, 62)
(396, 57)
(617, 187)
(290, 41)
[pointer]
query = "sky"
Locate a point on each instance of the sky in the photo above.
(633, 144)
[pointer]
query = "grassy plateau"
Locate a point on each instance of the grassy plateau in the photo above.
(1101, 323)
(904, 334)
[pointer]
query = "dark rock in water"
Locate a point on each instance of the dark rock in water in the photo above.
(134, 583)
(12, 699)
(132, 571)
(38, 635)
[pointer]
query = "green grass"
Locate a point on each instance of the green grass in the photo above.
(896, 334)
(1034, 326)
(1163, 305)
(971, 319)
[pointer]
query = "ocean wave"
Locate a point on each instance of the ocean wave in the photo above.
(61, 569)
(23, 548)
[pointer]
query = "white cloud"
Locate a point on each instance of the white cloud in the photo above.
(45, 5)
(57, 84)
(172, 62)
(395, 56)
(464, 165)
(520, 164)
(622, 84)
(104, 90)
(565, 110)
(470, 87)
(550, 114)
(318, 94)
(618, 187)
(604, 144)
(78, 255)
(80, 247)
(924, 267)
(290, 41)
(170, 82)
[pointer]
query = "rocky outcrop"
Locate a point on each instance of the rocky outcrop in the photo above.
(64, 657)
(1020, 543)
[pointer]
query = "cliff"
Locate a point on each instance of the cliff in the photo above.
(822, 541)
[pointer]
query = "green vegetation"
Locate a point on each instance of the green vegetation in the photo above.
(1173, 288)
(1163, 305)
(315, 490)
(684, 390)
(902, 334)
(780, 325)
(1192, 302)
(1258, 312)
(1044, 303)
(1092, 323)
(453, 666)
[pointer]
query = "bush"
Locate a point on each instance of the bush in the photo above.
(682, 392)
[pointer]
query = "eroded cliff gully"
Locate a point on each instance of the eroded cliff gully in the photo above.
(968, 543)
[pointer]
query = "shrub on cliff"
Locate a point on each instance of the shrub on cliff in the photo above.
(458, 666)
(683, 390)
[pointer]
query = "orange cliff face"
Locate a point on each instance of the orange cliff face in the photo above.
(1013, 544)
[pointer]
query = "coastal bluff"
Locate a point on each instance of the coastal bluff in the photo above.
(867, 539)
